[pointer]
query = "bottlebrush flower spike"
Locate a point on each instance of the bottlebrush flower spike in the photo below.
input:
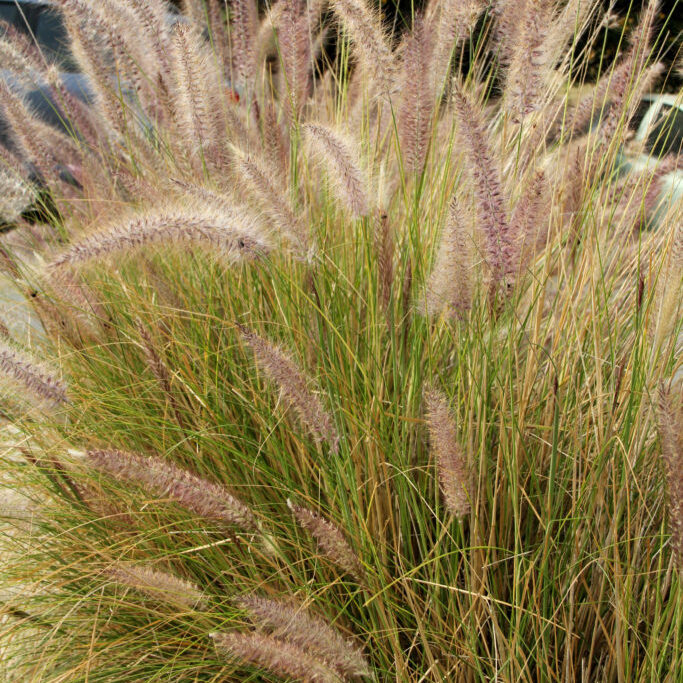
(25, 371)
(289, 621)
(157, 584)
(164, 479)
(418, 97)
(260, 182)
(276, 656)
(364, 28)
(450, 460)
(244, 14)
(670, 419)
(530, 221)
(347, 178)
(197, 107)
(227, 233)
(295, 54)
(529, 61)
(450, 283)
(501, 247)
(450, 22)
(282, 370)
(330, 539)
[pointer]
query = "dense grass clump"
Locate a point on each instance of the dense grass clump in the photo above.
(357, 364)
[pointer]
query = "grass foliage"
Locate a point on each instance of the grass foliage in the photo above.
(352, 369)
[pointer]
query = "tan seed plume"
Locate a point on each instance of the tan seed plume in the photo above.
(275, 656)
(364, 28)
(29, 374)
(289, 621)
(259, 182)
(450, 460)
(330, 540)
(157, 584)
(346, 176)
(282, 370)
(226, 234)
(670, 420)
(449, 288)
(166, 480)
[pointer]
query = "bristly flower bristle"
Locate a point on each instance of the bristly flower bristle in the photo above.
(164, 479)
(275, 656)
(417, 97)
(19, 368)
(158, 585)
(282, 370)
(227, 234)
(259, 181)
(501, 249)
(449, 287)
(365, 30)
(330, 539)
(289, 621)
(670, 414)
(344, 170)
(450, 460)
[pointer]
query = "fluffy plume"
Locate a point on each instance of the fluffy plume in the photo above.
(198, 109)
(330, 539)
(450, 283)
(275, 144)
(290, 622)
(90, 41)
(260, 182)
(670, 418)
(282, 370)
(295, 55)
(491, 205)
(636, 77)
(15, 194)
(244, 21)
(364, 28)
(194, 10)
(218, 29)
(450, 21)
(18, 55)
(528, 59)
(384, 248)
(507, 14)
(157, 584)
(450, 460)
(670, 281)
(530, 219)
(152, 17)
(344, 170)
(166, 480)
(19, 368)
(279, 658)
(580, 116)
(225, 233)
(36, 141)
(417, 97)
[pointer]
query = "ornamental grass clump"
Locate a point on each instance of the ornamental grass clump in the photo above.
(357, 339)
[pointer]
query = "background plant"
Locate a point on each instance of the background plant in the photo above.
(353, 345)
